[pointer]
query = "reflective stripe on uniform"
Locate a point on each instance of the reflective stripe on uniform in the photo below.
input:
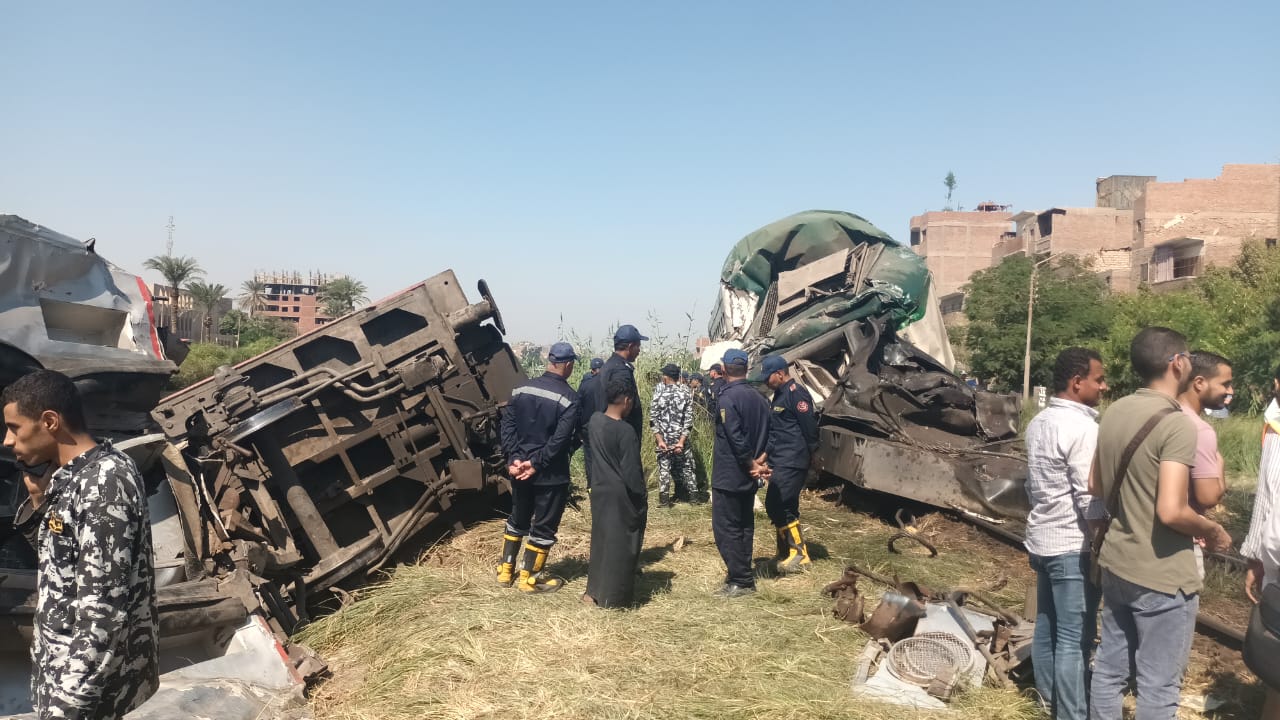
(540, 392)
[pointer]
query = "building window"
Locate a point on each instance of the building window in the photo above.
(1144, 272)
(295, 308)
(1186, 267)
(1271, 243)
(915, 237)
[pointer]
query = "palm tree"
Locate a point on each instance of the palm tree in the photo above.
(176, 271)
(950, 182)
(341, 295)
(253, 295)
(207, 297)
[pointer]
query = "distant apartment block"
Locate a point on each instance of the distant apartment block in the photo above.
(1084, 232)
(294, 298)
(1180, 228)
(957, 244)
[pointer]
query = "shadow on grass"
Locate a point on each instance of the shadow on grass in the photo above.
(651, 584)
(1242, 700)
(570, 568)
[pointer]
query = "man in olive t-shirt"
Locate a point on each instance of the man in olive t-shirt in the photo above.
(1150, 584)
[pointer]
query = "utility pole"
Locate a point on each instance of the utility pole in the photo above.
(1031, 303)
(168, 246)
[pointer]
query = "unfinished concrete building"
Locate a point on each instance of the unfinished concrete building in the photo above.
(1181, 228)
(957, 244)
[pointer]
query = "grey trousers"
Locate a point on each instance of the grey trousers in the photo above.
(1146, 634)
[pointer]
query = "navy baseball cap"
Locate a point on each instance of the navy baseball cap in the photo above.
(628, 334)
(696, 376)
(597, 363)
(770, 365)
(735, 357)
(562, 352)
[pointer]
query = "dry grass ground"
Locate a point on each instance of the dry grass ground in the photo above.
(440, 639)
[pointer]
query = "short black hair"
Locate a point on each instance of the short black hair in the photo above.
(1206, 364)
(43, 390)
(623, 344)
(619, 387)
(735, 371)
(1071, 363)
(1151, 349)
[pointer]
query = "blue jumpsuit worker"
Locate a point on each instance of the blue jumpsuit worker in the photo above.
(738, 462)
(626, 348)
(539, 426)
(793, 440)
(586, 411)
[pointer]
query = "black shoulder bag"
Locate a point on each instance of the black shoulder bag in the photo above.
(1113, 497)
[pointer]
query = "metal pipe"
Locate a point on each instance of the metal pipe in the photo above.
(309, 518)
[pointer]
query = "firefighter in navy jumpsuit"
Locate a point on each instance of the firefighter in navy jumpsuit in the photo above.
(793, 439)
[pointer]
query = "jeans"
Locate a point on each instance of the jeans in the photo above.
(1066, 622)
(1144, 633)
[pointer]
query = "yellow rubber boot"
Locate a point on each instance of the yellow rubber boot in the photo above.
(531, 580)
(797, 551)
(507, 568)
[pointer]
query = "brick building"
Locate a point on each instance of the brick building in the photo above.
(294, 298)
(1180, 228)
(957, 244)
(1088, 233)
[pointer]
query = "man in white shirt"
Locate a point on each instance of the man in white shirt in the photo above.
(1061, 441)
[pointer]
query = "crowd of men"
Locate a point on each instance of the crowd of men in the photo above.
(1118, 517)
(756, 443)
(1118, 514)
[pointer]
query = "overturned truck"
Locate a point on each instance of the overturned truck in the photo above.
(856, 315)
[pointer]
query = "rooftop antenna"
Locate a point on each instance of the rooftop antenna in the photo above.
(168, 246)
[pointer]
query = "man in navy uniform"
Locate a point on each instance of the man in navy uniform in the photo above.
(585, 411)
(739, 463)
(539, 425)
(626, 348)
(793, 439)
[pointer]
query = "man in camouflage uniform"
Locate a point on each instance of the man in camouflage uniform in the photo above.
(95, 635)
(671, 420)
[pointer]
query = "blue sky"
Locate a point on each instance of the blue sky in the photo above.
(595, 161)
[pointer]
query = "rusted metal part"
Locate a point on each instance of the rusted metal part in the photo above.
(908, 531)
(995, 668)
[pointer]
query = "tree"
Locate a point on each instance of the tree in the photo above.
(1071, 308)
(341, 296)
(253, 295)
(207, 297)
(950, 182)
(176, 271)
(250, 330)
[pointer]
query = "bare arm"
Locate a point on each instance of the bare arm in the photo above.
(1207, 492)
(1174, 509)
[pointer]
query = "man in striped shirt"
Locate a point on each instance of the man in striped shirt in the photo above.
(1061, 441)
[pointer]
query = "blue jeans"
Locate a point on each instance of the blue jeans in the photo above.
(1144, 633)
(1066, 622)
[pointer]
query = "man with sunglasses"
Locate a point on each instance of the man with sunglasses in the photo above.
(1150, 585)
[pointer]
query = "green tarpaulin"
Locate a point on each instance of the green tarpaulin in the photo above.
(897, 283)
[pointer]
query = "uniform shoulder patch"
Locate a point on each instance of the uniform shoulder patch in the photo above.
(55, 523)
(792, 388)
(802, 406)
(722, 415)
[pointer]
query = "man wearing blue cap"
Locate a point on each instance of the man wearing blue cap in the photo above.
(738, 464)
(626, 348)
(793, 439)
(539, 425)
(590, 377)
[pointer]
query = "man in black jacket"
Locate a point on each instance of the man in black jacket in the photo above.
(539, 426)
(626, 348)
(742, 434)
